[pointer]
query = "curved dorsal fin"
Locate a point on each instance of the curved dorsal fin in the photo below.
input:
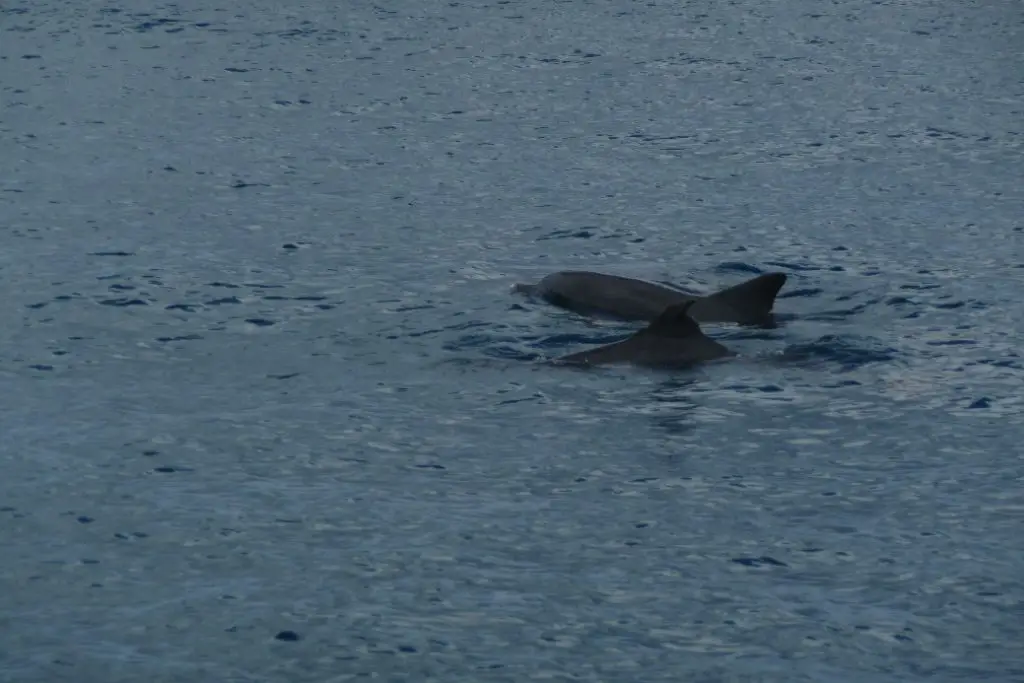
(750, 300)
(674, 321)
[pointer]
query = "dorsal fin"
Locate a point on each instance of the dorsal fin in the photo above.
(753, 299)
(674, 321)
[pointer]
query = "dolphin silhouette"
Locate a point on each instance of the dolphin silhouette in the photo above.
(748, 303)
(673, 339)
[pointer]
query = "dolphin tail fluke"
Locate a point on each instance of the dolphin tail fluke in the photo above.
(753, 299)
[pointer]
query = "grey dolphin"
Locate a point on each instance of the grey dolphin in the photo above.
(748, 303)
(673, 339)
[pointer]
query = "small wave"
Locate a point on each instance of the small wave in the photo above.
(738, 267)
(846, 352)
(590, 232)
(802, 267)
(469, 325)
(511, 352)
(527, 348)
(749, 333)
(800, 293)
(560, 341)
(840, 313)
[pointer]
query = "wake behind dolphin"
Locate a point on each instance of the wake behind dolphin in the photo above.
(748, 303)
(673, 339)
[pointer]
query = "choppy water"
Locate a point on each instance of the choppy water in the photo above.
(264, 374)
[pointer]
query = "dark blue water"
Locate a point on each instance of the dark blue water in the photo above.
(271, 412)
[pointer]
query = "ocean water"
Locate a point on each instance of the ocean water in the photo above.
(272, 412)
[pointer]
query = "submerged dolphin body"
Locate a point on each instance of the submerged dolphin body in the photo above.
(673, 339)
(748, 303)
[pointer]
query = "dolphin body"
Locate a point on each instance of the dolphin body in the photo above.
(748, 303)
(671, 340)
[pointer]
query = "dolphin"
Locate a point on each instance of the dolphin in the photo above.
(673, 339)
(748, 303)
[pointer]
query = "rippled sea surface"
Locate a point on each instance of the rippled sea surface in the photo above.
(271, 411)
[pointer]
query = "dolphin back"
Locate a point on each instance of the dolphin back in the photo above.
(673, 339)
(600, 294)
(589, 293)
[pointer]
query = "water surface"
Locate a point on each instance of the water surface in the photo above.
(273, 413)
